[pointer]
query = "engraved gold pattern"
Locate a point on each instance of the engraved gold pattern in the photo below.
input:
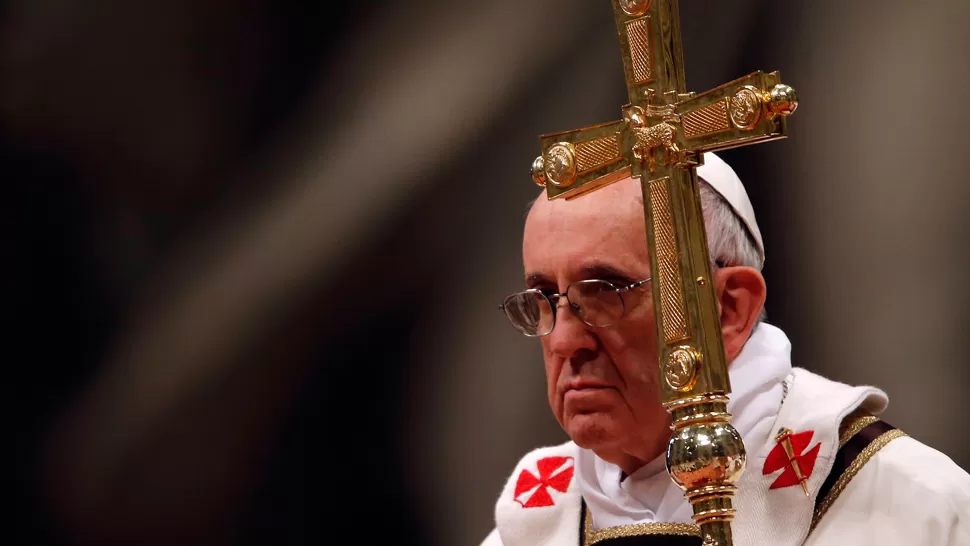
(853, 427)
(854, 468)
(595, 153)
(638, 35)
(591, 536)
(674, 316)
(560, 164)
(681, 368)
(663, 135)
(634, 8)
(746, 108)
(708, 120)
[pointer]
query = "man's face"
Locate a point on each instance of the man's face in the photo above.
(602, 382)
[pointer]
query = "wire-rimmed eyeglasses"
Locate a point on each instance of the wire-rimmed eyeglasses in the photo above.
(596, 302)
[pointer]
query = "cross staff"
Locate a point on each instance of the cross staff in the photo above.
(661, 141)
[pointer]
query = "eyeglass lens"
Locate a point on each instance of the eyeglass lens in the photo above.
(599, 304)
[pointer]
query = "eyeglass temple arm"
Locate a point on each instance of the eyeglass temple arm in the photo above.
(634, 285)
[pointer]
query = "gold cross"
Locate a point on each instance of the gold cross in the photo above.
(661, 140)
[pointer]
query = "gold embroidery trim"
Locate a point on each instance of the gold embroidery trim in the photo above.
(852, 417)
(851, 472)
(640, 529)
(854, 426)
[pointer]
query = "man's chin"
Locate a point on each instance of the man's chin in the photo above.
(593, 430)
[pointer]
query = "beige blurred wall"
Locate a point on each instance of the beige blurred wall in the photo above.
(882, 179)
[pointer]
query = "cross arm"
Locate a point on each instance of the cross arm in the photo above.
(577, 162)
(745, 111)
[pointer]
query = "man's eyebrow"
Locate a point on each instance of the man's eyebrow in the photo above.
(602, 271)
(591, 271)
(534, 279)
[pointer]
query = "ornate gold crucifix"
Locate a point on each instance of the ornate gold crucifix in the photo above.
(661, 141)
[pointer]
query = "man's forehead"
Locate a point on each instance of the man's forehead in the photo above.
(592, 236)
(608, 201)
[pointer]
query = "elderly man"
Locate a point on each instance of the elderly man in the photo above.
(589, 302)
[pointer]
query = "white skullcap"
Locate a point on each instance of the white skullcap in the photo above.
(720, 176)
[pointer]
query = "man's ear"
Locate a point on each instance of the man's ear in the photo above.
(741, 296)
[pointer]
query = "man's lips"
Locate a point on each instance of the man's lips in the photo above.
(583, 396)
(582, 384)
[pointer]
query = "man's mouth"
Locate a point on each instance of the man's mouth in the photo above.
(584, 384)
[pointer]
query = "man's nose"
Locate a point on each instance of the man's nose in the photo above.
(569, 334)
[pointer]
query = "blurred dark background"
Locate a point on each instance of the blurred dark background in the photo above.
(253, 250)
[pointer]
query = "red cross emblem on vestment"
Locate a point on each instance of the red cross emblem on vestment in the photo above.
(554, 472)
(790, 454)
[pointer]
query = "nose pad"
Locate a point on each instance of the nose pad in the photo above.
(572, 307)
(567, 310)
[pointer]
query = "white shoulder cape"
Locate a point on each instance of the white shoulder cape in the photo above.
(897, 492)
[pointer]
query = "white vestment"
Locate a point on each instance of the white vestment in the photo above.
(870, 484)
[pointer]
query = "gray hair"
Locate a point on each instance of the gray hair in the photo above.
(728, 239)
